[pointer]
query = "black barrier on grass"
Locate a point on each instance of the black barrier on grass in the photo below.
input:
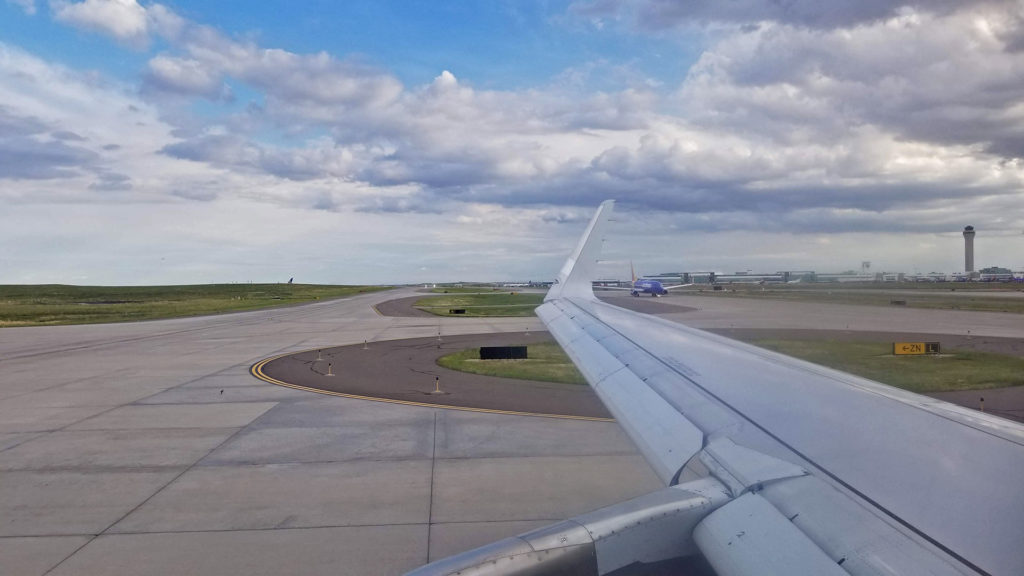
(502, 352)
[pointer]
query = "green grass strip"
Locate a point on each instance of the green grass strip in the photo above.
(547, 362)
(953, 370)
(55, 304)
(497, 304)
(466, 289)
(931, 296)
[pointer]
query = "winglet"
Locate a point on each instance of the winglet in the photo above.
(578, 272)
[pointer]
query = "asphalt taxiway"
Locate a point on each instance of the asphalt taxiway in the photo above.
(809, 321)
(406, 372)
(148, 448)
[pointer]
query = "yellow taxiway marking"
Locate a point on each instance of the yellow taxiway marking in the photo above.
(257, 371)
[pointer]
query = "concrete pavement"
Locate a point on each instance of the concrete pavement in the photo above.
(406, 372)
(147, 448)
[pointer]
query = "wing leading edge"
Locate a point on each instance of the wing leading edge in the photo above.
(773, 465)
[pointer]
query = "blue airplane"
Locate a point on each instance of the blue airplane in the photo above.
(646, 286)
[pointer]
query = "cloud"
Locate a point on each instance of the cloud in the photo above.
(12, 125)
(198, 192)
(29, 6)
(111, 182)
(666, 14)
(67, 136)
(784, 117)
(124, 20)
(794, 118)
(562, 216)
(949, 80)
(444, 135)
(29, 158)
(419, 203)
(186, 77)
(320, 159)
(317, 85)
(28, 152)
(313, 81)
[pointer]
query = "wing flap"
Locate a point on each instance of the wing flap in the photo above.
(748, 536)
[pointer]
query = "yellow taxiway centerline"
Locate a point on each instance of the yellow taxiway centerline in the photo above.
(257, 371)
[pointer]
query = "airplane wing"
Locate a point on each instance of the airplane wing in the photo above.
(772, 465)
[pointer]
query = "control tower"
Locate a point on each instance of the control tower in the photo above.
(969, 249)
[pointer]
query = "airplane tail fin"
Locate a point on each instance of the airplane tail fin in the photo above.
(632, 272)
(578, 273)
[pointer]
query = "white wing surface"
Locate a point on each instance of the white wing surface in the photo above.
(772, 465)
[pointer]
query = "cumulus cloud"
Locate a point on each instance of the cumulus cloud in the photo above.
(313, 81)
(319, 159)
(124, 20)
(317, 86)
(883, 117)
(948, 80)
(785, 117)
(445, 135)
(74, 137)
(186, 77)
(797, 116)
(818, 129)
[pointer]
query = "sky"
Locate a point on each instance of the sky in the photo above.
(378, 141)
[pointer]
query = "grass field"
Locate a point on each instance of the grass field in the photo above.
(465, 289)
(982, 297)
(497, 304)
(547, 362)
(953, 370)
(52, 304)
